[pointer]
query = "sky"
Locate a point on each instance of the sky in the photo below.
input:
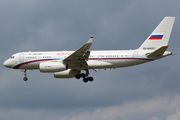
(148, 91)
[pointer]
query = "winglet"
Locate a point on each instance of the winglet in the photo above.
(90, 39)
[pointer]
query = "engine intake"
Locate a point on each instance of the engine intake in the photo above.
(52, 67)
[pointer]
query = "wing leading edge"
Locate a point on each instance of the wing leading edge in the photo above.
(81, 55)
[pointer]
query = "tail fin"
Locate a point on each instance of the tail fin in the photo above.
(160, 36)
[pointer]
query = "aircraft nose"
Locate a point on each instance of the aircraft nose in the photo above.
(7, 63)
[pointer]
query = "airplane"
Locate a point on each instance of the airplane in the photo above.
(69, 64)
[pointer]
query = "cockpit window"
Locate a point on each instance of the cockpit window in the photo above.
(12, 57)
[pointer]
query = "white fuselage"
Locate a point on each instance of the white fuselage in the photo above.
(97, 59)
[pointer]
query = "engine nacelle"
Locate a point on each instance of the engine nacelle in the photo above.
(66, 74)
(52, 67)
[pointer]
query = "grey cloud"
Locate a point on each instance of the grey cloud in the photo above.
(66, 25)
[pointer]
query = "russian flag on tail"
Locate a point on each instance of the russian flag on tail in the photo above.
(156, 37)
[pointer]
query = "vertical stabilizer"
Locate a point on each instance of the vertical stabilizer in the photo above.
(160, 36)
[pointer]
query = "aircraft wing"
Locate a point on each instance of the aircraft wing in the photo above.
(80, 54)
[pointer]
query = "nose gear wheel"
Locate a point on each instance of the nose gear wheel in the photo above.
(25, 74)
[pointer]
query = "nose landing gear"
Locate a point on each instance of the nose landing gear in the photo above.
(25, 78)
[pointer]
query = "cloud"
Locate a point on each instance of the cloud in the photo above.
(175, 116)
(134, 110)
(66, 25)
(153, 109)
(155, 118)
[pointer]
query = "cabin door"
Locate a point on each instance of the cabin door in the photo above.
(21, 58)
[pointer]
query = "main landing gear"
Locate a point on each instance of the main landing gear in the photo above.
(84, 76)
(25, 78)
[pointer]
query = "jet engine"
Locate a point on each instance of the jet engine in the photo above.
(66, 74)
(52, 67)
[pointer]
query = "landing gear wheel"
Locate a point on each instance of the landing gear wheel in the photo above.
(83, 75)
(91, 79)
(85, 80)
(77, 76)
(25, 78)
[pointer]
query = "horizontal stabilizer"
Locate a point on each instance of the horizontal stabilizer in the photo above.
(158, 52)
